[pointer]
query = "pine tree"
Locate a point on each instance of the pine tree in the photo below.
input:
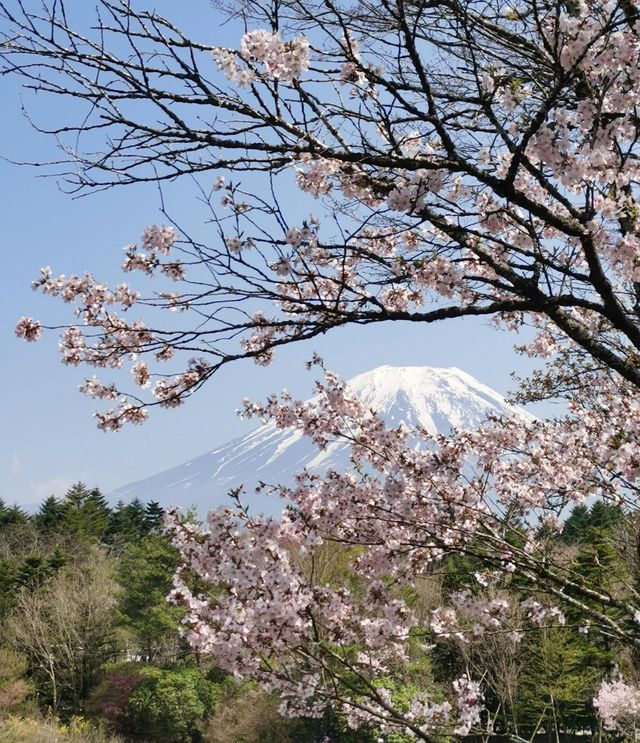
(576, 526)
(7, 584)
(50, 513)
(154, 517)
(12, 514)
(145, 572)
(127, 522)
(136, 512)
(601, 516)
(605, 515)
(85, 511)
(558, 682)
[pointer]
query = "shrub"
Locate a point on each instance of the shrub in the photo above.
(111, 698)
(163, 705)
(247, 715)
(172, 705)
(14, 690)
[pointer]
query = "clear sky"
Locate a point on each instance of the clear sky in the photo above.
(48, 437)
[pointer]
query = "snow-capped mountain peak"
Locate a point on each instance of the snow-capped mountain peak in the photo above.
(435, 399)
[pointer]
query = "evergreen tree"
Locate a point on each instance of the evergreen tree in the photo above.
(32, 571)
(597, 559)
(50, 513)
(12, 514)
(576, 526)
(85, 512)
(558, 683)
(145, 573)
(136, 513)
(7, 585)
(116, 522)
(601, 515)
(127, 522)
(605, 515)
(154, 517)
(29, 570)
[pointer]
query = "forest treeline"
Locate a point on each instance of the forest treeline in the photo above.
(90, 648)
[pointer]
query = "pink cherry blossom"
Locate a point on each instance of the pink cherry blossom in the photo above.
(28, 329)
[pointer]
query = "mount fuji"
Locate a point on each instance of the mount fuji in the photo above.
(436, 399)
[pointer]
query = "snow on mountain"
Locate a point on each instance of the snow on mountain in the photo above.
(437, 399)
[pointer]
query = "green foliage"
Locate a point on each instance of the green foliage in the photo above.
(576, 526)
(145, 572)
(596, 557)
(172, 706)
(85, 512)
(156, 701)
(605, 515)
(7, 584)
(129, 522)
(27, 570)
(153, 517)
(36, 569)
(601, 516)
(559, 681)
(160, 704)
(50, 514)
(126, 522)
(11, 514)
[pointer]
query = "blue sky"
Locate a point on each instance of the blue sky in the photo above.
(48, 437)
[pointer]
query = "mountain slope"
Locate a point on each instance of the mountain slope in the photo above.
(437, 399)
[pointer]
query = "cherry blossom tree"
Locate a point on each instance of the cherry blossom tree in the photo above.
(618, 703)
(460, 158)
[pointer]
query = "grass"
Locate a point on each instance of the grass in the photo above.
(51, 730)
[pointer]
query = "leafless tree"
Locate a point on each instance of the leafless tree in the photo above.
(442, 104)
(67, 626)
